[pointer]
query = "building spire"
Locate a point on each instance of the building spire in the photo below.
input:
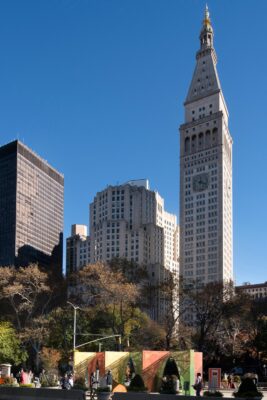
(206, 34)
(205, 78)
(206, 15)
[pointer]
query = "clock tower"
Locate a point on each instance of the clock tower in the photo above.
(205, 173)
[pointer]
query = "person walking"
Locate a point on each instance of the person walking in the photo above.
(64, 382)
(198, 384)
(43, 377)
(24, 377)
(93, 384)
(109, 379)
(30, 376)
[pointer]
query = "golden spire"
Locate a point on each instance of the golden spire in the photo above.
(206, 34)
(206, 21)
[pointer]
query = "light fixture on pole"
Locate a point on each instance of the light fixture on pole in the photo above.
(75, 308)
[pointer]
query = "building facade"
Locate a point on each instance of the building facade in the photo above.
(77, 249)
(129, 221)
(205, 173)
(257, 291)
(31, 209)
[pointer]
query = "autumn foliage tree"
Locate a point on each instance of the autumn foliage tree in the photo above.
(50, 358)
(111, 292)
(27, 293)
(113, 298)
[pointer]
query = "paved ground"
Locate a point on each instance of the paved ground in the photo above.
(229, 393)
(226, 393)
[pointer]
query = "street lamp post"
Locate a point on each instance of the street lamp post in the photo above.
(75, 308)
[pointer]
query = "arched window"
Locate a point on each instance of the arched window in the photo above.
(214, 136)
(187, 145)
(207, 139)
(193, 143)
(200, 141)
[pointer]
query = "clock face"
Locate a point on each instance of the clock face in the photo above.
(200, 182)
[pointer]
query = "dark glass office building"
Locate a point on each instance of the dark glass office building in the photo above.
(31, 209)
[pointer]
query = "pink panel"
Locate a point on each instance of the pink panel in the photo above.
(152, 357)
(151, 363)
(198, 363)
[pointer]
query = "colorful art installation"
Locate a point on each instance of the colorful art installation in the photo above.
(153, 366)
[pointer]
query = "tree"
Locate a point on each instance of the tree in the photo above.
(50, 358)
(234, 326)
(174, 294)
(110, 291)
(208, 305)
(147, 335)
(112, 297)
(11, 350)
(133, 272)
(257, 332)
(29, 296)
(27, 291)
(60, 327)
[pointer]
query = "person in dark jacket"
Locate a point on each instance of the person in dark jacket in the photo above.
(109, 379)
(198, 384)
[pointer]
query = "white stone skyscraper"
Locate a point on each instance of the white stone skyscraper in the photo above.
(129, 221)
(205, 173)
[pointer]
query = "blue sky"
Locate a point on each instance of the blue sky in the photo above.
(96, 87)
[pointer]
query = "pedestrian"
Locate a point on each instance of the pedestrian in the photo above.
(109, 380)
(18, 376)
(43, 377)
(176, 383)
(70, 380)
(256, 379)
(229, 380)
(24, 377)
(93, 384)
(198, 384)
(64, 382)
(30, 376)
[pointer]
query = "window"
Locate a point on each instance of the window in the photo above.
(187, 145)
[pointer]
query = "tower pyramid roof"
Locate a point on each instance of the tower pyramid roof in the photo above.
(205, 79)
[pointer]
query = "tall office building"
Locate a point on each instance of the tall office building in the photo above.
(205, 173)
(31, 209)
(129, 221)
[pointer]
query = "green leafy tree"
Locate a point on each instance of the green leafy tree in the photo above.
(11, 350)
(60, 327)
(147, 335)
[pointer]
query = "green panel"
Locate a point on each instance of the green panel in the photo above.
(137, 358)
(159, 375)
(192, 371)
(183, 361)
(119, 371)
